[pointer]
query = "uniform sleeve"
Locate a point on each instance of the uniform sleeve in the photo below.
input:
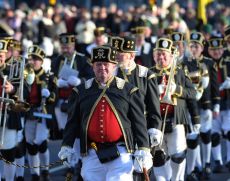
(215, 93)
(193, 111)
(185, 90)
(138, 121)
(153, 115)
(72, 127)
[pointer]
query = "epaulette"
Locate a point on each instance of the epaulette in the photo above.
(227, 59)
(153, 75)
(80, 54)
(134, 90)
(143, 71)
(75, 90)
(120, 82)
(208, 58)
(88, 83)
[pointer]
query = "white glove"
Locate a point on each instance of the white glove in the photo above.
(225, 84)
(205, 82)
(62, 83)
(206, 115)
(196, 128)
(173, 88)
(155, 136)
(73, 81)
(45, 93)
(161, 88)
(216, 108)
(67, 155)
(198, 95)
(143, 159)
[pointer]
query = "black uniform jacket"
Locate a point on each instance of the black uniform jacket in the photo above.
(211, 95)
(80, 64)
(126, 104)
(184, 91)
(43, 80)
(13, 118)
(145, 80)
(224, 70)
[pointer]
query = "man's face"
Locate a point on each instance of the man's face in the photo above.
(216, 53)
(196, 49)
(35, 62)
(162, 58)
(124, 58)
(103, 71)
(100, 40)
(67, 49)
(2, 58)
(180, 46)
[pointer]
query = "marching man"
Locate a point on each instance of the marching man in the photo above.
(106, 113)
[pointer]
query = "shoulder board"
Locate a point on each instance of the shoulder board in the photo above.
(120, 82)
(133, 90)
(75, 90)
(151, 76)
(208, 58)
(80, 54)
(143, 71)
(227, 59)
(88, 83)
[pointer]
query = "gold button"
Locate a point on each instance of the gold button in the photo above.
(101, 120)
(102, 137)
(102, 105)
(101, 125)
(101, 131)
(103, 100)
(102, 110)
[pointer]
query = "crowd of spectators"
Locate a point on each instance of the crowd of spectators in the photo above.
(42, 24)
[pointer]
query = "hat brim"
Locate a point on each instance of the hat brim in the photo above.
(164, 49)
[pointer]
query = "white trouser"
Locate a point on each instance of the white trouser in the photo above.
(8, 139)
(175, 142)
(36, 132)
(120, 169)
(221, 123)
(60, 116)
(206, 120)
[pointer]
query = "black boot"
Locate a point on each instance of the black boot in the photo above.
(218, 168)
(69, 174)
(207, 171)
(45, 175)
(20, 178)
(35, 177)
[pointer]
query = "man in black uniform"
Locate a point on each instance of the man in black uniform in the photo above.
(173, 96)
(107, 114)
(193, 126)
(42, 93)
(9, 140)
(203, 72)
(220, 124)
(142, 78)
(71, 68)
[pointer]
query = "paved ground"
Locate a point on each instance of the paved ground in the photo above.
(57, 172)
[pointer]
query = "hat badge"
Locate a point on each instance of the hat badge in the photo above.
(1, 45)
(214, 43)
(194, 36)
(177, 37)
(165, 44)
(63, 39)
(116, 44)
(31, 49)
(100, 54)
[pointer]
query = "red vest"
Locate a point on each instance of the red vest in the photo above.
(103, 125)
(34, 97)
(64, 93)
(220, 80)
